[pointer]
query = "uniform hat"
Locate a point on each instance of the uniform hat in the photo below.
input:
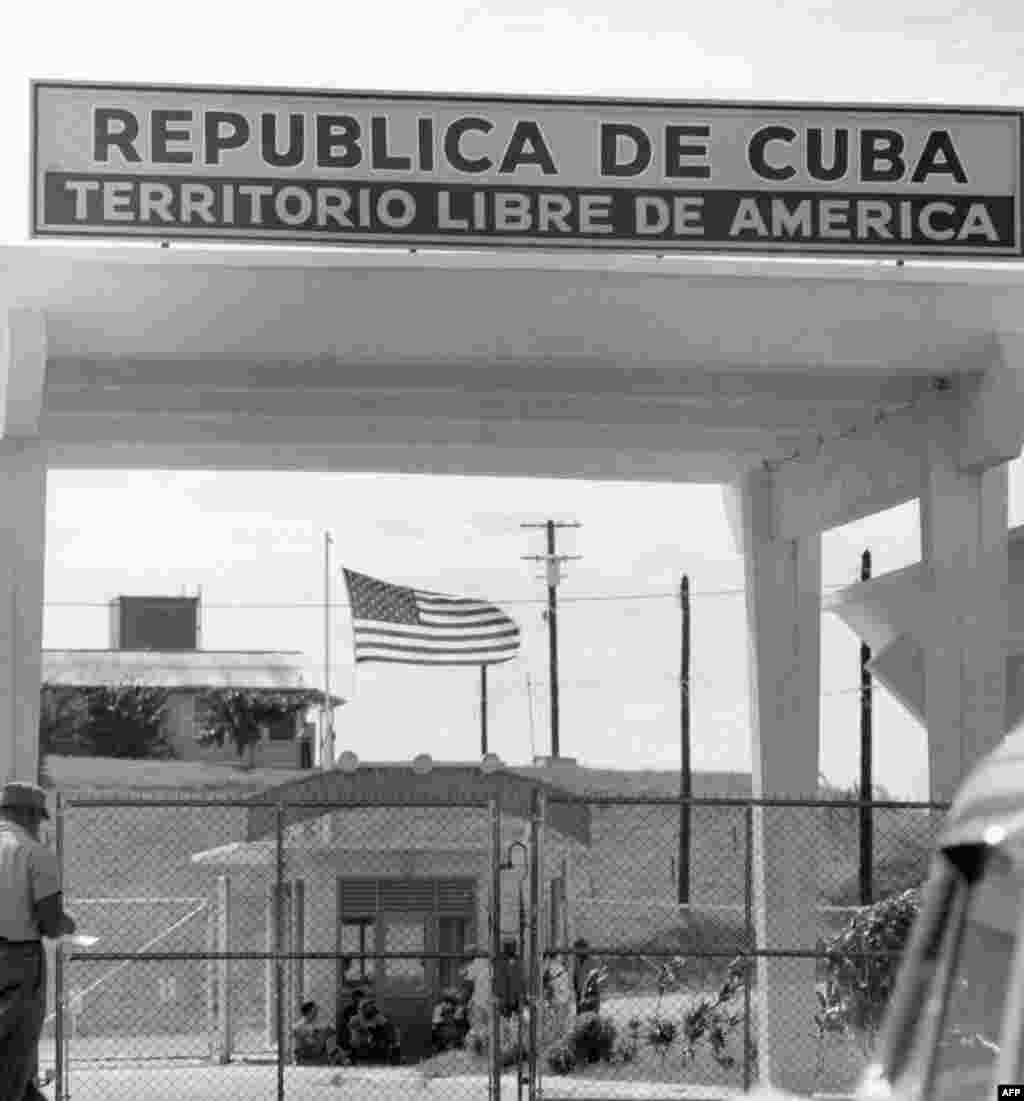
(18, 795)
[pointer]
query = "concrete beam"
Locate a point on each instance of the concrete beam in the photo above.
(886, 464)
(22, 373)
(413, 457)
(992, 418)
(850, 478)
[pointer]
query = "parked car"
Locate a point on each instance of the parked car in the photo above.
(955, 1025)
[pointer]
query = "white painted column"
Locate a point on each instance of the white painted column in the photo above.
(964, 548)
(22, 555)
(783, 580)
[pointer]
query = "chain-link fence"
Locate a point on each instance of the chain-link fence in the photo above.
(738, 956)
(254, 949)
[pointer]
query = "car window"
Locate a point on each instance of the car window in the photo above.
(963, 1011)
(969, 1039)
(913, 1010)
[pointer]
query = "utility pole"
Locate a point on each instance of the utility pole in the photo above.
(327, 731)
(867, 822)
(553, 568)
(483, 711)
(685, 765)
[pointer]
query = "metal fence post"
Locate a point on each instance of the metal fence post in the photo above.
(751, 938)
(211, 979)
(224, 1007)
(494, 950)
(278, 961)
(59, 978)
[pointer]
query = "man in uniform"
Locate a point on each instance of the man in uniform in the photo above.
(31, 907)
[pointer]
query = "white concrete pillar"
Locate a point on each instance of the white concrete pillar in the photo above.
(964, 549)
(783, 581)
(22, 556)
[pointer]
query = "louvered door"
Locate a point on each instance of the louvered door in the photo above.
(394, 917)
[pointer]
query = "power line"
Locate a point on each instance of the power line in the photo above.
(308, 605)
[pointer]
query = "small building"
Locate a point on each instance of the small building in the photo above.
(155, 642)
(186, 674)
(395, 861)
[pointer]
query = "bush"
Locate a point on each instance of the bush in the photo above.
(126, 720)
(592, 1039)
(561, 1059)
(860, 985)
(478, 1041)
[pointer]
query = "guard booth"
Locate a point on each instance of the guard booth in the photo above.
(532, 314)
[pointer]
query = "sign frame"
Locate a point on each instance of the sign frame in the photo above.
(635, 245)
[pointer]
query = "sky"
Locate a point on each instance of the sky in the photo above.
(251, 541)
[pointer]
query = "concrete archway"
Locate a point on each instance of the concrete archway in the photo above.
(816, 393)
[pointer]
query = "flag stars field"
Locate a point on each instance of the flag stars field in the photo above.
(393, 623)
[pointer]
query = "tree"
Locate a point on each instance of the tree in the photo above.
(125, 720)
(62, 717)
(237, 715)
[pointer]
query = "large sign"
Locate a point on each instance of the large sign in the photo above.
(420, 170)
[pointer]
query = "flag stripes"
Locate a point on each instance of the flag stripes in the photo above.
(394, 623)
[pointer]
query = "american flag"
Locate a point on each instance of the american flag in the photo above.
(416, 627)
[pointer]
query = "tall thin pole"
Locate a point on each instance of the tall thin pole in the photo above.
(867, 824)
(553, 562)
(553, 637)
(483, 710)
(533, 735)
(685, 764)
(327, 739)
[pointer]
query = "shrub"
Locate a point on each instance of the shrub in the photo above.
(860, 984)
(561, 1059)
(592, 1038)
(126, 720)
(478, 1041)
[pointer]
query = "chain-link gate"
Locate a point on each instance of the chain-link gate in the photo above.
(512, 946)
(218, 923)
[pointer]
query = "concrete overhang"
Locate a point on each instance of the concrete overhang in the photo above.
(893, 614)
(598, 367)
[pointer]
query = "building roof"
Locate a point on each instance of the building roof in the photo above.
(399, 785)
(453, 783)
(581, 781)
(279, 670)
(360, 829)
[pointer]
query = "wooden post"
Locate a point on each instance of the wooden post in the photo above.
(483, 710)
(867, 821)
(685, 765)
(494, 950)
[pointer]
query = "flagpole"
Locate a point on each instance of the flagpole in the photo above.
(483, 710)
(327, 735)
